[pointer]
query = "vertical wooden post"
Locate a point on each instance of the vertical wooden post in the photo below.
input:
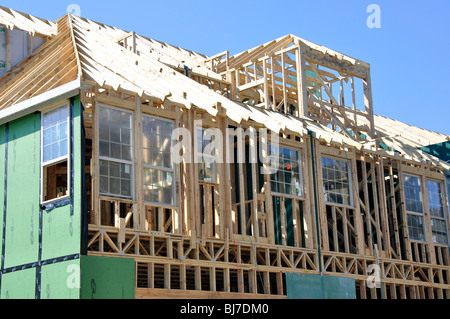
(237, 83)
(254, 172)
(241, 159)
(95, 163)
(224, 181)
(376, 209)
(274, 94)
(268, 194)
(296, 223)
(8, 48)
(322, 209)
(366, 200)
(404, 214)
(301, 83)
(266, 84)
(283, 72)
(150, 275)
(345, 226)
(358, 220)
(384, 213)
(394, 210)
(191, 176)
(427, 221)
(308, 224)
(283, 221)
(369, 105)
(139, 215)
(212, 279)
(355, 116)
(334, 227)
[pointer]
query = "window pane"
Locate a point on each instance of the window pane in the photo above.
(104, 149)
(63, 147)
(336, 182)
(413, 194)
(416, 227)
(157, 142)
(55, 150)
(158, 186)
(437, 212)
(157, 148)
(55, 132)
(288, 178)
(206, 170)
(435, 199)
(115, 139)
(115, 178)
(47, 153)
(439, 229)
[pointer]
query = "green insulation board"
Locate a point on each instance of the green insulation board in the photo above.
(23, 186)
(107, 278)
(61, 280)
(440, 150)
(19, 285)
(307, 286)
(2, 181)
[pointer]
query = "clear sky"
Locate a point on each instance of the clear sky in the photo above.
(409, 54)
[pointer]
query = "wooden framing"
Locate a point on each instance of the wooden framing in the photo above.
(236, 236)
(250, 263)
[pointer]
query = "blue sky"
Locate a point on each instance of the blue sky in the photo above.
(409, 54)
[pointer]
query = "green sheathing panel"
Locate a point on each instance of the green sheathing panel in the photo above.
(107, 278)
(19, 285)
(306, 286)
(441, 150)
(61, 231)
(22, 220)
(2, 180)
(61, 280)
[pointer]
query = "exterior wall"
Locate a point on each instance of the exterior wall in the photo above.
(39, 244)
(206, 246)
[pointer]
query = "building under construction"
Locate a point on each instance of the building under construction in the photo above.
(96, 206)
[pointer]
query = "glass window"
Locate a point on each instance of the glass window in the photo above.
(55, 132)
(115, 152)
(288, 178)
(437, 212)
(337, 181)
(414, 207)
(115, 178)
(159, 170)
(205, 158)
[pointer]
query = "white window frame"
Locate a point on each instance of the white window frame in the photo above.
(441, 185)
(159, 168)
(408, 212)
(59, 160)
(115, 160)
(300, 172)
(350, 181)
(205, 156)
